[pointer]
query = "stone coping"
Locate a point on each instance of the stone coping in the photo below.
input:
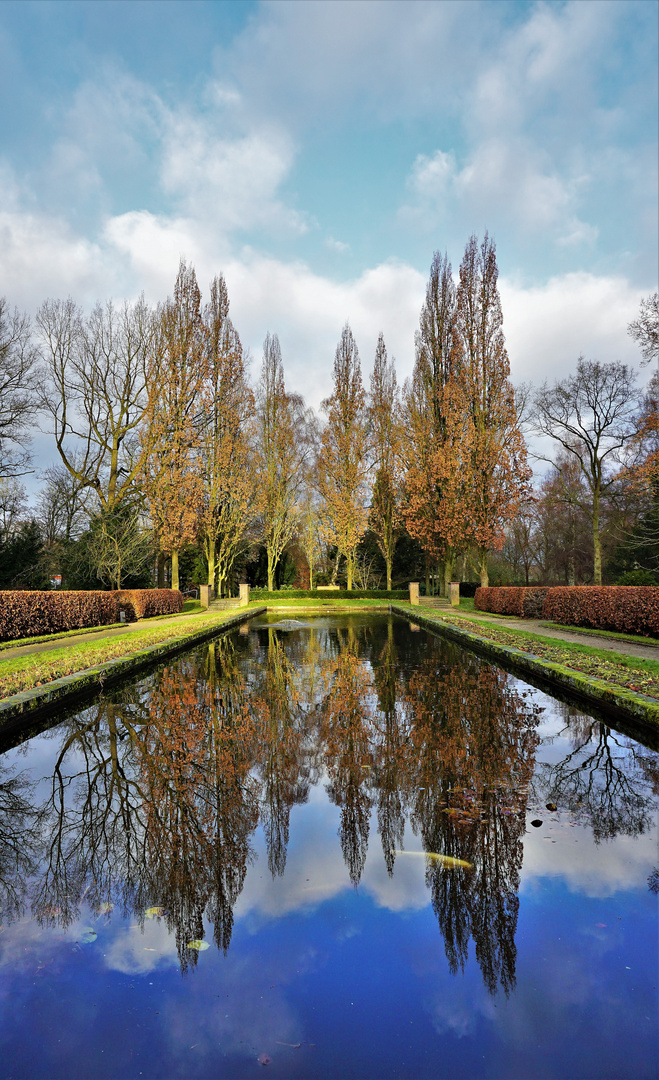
(21, 708)
(608, 699)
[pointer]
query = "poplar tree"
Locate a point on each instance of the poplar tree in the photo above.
(282, 446)
(343, 461)
(384, 423)
(435, 432)
(494, 461)
(230, 483)
(172, 474)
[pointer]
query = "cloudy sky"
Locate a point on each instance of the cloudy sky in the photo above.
(317, 153)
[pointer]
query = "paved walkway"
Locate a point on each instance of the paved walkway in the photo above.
(536, 626)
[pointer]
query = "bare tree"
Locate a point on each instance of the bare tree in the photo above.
(95, 390)
(591, 415)
(645, 329)
(17, 391)
(61, 510)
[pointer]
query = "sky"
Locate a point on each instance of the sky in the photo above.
(318, 153)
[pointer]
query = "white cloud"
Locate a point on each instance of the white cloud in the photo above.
(549, 326)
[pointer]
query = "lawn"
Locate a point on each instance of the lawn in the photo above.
(37, 669)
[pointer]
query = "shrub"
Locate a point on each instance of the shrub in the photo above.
(527, 603)
(628, 608)
(341, 594)
(145, 603)
(638, 577)
(30, 614)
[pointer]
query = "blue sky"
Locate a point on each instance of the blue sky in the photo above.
(318, 153)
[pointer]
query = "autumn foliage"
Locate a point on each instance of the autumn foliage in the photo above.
(145, 603)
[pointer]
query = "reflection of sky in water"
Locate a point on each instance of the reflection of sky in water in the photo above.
(358, 977)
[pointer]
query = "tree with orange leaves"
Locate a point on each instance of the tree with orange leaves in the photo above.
(493, 461)
(384, 424)
(343, 461)
(283, 444)
(435, 431)
(171, 474)
(228, 410)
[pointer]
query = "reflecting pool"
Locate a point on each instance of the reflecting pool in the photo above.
(329, 848)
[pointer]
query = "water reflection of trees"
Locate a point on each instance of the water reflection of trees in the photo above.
(472, 747)
(158, 789)
(605, 779)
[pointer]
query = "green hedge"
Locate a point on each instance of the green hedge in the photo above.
(329, 594)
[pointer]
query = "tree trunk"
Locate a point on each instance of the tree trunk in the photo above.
(349, 573)
(271, 571)
(427, 576)
(597, 545)
(448, 572)
(210, 554)
(160, 570)
(174, 569)
(389, 562)
(482, 553)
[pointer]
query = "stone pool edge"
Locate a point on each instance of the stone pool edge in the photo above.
(27, 703)
(638, 707)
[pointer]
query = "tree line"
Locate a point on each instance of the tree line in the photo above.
(172, 466)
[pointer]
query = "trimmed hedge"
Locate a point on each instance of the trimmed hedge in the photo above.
(527, 603)
(329, 594)
(145, 603)
(625, 608)
(633, 609)
(26, 614)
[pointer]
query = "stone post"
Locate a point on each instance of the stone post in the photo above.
(244, 594)
(414, 592)
(205, 595)
(454, 593)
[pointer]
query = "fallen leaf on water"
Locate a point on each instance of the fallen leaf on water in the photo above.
(199, 945)
(294, 1046)
(551, 806)
(105, 909)
(154, 912)
(536, 823)
(263, 1059)
(445, 860)
(88, 935)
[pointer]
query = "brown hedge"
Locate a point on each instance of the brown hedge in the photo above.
(527, 603)
(633, 609)
(30, 614)
(145, 603)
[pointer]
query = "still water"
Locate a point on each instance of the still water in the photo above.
(329, 848)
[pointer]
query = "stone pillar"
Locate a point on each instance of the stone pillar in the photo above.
(454, 593)
(414, 592)
(244, 594)
(205, 595)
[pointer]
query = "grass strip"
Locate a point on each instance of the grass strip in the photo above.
(37, 670)
(627, 672)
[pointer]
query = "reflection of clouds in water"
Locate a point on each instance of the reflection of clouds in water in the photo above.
(25, 946)
(316, 874)
(460, 1008)
(596, 870)
(134, 952)
(251, 1014)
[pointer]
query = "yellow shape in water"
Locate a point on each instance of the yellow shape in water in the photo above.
(445, 860)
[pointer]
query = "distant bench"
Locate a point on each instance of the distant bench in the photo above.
(328, 588)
